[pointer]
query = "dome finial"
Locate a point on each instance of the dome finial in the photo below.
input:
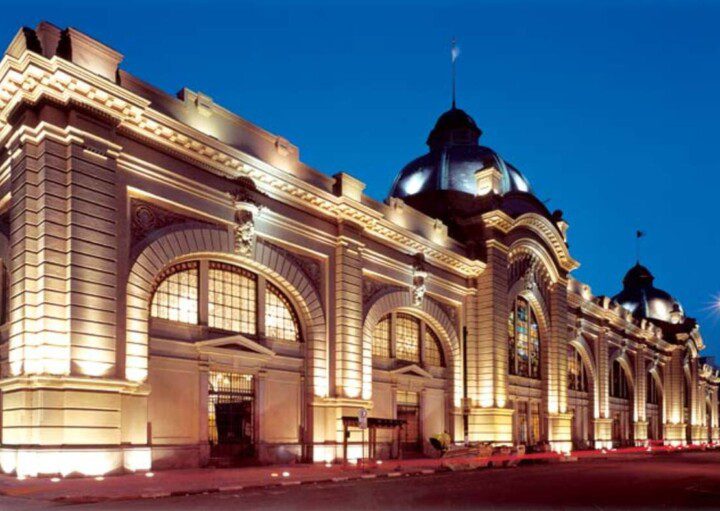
(454, 54)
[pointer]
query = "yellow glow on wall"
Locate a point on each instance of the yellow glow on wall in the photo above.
(32, 463)
(138, 459)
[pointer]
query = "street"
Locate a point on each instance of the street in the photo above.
(687, 480)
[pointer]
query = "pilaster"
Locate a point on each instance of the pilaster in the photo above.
(353, 374)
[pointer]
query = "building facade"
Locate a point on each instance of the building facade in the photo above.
(179, 289)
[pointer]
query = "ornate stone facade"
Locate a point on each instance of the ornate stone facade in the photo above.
(161, 252)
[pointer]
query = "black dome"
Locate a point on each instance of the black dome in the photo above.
(644, 300)
(454, 158)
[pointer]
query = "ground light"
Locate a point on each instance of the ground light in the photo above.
(99, 478)
(55, 480)
(149, 474)
(286, 474)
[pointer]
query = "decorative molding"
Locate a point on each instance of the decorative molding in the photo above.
(451, 311)
(373, 289)
(540, 226)
(147, 218)
(312, 268)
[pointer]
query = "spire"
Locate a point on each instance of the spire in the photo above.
(454, 54)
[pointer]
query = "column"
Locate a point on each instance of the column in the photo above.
(640, 398)
(559, 420)
(673, 381)
(602, 423)
(489, 419)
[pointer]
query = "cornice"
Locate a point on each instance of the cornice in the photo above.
(30, 77)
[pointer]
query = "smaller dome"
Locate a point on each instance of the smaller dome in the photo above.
(644, 300)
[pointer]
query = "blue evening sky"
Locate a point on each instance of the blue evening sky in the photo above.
(610, 109)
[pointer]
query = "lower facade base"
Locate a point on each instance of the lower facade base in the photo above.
(494, 425)
(68, 461)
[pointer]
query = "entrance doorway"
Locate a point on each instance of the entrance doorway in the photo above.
(230, 417)
(408, 409)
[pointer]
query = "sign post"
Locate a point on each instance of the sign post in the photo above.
(362, 424)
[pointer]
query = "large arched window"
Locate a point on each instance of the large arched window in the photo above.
(408, 339)
(577, 376)
(618, 381)
(523, 340)
(224, 297)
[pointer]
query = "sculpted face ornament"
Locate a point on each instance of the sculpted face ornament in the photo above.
(419, 275)
(246, 211)
(245, 236)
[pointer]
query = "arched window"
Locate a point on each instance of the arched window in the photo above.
(224, 297)
(618, 381)
(652, 394)
(577, 376)
(523, 340)
(176, 297)
(408, 339)
(280, 320)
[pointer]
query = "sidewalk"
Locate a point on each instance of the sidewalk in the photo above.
(192, 481)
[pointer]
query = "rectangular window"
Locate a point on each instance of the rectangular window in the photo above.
(232, 299)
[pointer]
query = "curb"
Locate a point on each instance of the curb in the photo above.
(86, 499)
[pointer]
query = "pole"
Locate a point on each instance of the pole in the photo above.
(454, 58)
(465, 386)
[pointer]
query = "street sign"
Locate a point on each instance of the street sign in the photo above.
(362, 418)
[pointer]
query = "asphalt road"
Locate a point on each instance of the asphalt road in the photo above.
(689, 480)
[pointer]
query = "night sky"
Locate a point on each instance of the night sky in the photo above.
(609, 109)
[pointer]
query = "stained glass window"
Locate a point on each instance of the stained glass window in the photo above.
(232, 300)
(523, 340)
(280, 319)
(407, 338)
(176, 297)
(577, 377)
(381, 338)
(432, 349)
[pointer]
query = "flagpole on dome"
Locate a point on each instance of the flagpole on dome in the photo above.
(454, 53)
(638, 235)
